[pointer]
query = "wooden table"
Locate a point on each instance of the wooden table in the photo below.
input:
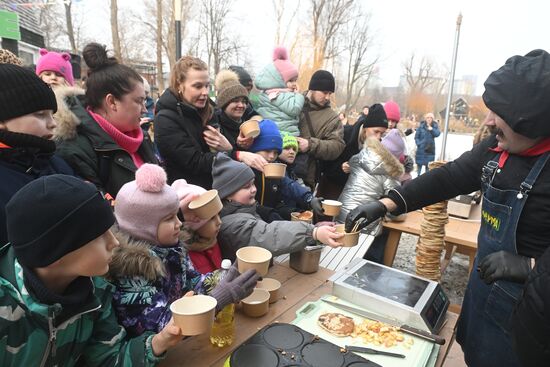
(460, 236)
(298, 289)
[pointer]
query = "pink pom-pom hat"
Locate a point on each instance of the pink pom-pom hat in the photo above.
(55, 61)
(392, 111)
(187, 193)
(142, 204)
(283, 65)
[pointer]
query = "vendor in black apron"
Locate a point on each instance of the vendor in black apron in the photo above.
(511, 169)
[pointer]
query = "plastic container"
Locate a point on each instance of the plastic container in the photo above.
(223, 328)
(307, 260)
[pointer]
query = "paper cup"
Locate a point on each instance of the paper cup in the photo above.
(257, 304)
(250, 128)
(207, 205)
(275, 170)
(253, 257)
(271, 285)
(194, 315)
(331, 207)
(349, 239)
(257, 118)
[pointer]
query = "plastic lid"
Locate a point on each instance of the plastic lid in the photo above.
(226, 264)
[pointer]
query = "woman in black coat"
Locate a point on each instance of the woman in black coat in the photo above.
(185, 140)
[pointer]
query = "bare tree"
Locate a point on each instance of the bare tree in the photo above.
(219, 44)
(114, 30)
(167, 25)
(280, 7)
(70, 29)
(327, 18)
(419, 76)
(360, 67)
(158, 31)
(49, 22)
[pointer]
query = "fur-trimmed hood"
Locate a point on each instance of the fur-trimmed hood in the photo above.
(134, 258)
(66, 120)
(381, 158)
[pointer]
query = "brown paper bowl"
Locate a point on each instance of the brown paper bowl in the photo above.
(257, 304)
(207, 205)
(275, 170)
(257, 118)
(349, 239)
(253, 257)
(331, 207)
(271, 285)
(194, 315)
(295, 217)
(250, 128)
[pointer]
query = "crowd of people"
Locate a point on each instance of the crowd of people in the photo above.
(98, 237)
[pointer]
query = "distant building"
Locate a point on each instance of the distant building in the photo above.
(32, 37)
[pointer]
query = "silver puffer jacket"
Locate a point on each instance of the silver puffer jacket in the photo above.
(373, 172)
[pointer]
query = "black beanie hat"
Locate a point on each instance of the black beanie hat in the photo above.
(54, 215)
(323, 81)
(22, 92)
(376, 117)
(519, 92)
(244, 77)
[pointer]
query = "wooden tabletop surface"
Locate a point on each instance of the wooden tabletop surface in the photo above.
(297, 289)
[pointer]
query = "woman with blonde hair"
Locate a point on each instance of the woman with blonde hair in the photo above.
(185, 139)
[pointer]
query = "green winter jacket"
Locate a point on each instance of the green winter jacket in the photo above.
(285, 108)
(30, 335)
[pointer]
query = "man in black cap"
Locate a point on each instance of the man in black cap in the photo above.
(511, 169)
(246, 81)
(321, 133)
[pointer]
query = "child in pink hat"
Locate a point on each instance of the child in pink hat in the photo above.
(55, 68)
(151, 269)
(199, 237)
(280, 100)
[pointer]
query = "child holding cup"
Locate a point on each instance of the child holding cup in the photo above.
(151, 269)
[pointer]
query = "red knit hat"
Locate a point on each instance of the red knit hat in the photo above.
(283, 65)
(392, 111)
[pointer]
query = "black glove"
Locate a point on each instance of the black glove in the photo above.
(316, 206)
(234, 287)
(370, 211)
(506, 266)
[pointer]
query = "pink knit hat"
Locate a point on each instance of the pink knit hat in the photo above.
(140, 205)
(392, 111)
(287, 69)
(394, 143)
(54, 61)
(186, 193)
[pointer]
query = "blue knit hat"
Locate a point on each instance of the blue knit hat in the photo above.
(269, 138)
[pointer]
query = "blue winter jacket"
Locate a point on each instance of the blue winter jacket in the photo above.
(425, 142)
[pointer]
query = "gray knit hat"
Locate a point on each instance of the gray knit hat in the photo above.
(228, 88)
(229, 176)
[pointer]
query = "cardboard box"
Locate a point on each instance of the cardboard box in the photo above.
(460, 206)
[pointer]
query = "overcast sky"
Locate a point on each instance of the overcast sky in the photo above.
(492, 31)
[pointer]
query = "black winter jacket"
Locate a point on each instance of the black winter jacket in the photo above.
(23, 159)
(463, 176)
(179, 138)
(94, 155)
(531, 319)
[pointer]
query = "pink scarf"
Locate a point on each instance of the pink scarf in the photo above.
(129, 141)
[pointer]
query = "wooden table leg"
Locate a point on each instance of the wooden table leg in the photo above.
(391, 246)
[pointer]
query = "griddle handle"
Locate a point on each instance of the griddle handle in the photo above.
(423, 334)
